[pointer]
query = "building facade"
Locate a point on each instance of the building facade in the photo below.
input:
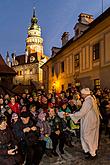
(7, 75)
(27, 65)
(84, 60)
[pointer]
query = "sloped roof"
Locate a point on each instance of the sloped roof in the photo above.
(4, 68)
(4, 90)
(19, 89)
(93, 24)
(21, 59)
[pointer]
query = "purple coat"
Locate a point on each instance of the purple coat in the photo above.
(44, 127)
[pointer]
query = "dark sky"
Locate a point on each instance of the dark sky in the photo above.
(54, 18)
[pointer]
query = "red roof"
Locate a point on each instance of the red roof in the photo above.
(4, 68)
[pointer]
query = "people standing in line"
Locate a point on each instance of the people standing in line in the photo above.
(89, 117)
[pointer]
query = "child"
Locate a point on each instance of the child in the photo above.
(45, 132)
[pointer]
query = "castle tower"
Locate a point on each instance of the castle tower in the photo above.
(34, 41)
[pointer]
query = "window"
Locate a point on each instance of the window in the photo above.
(62, 66)
(76, 60)
(97, 83)
(96, 51)
(20, 72)
(52, 70)
(17, 73)
(62, 87)
(32, 59)
(69, 85)
(30, 71)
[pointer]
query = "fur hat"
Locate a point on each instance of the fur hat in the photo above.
(85, 91)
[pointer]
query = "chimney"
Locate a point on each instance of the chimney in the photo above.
(65, 38)
(85, 18)
(55, 50)
(82, 24)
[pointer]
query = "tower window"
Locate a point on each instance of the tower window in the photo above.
(20, 72)
(30, 71)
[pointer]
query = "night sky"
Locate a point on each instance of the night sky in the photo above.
(54, 18)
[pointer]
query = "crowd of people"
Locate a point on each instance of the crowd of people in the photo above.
(36, 123)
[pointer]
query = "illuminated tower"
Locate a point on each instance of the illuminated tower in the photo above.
(34, 41)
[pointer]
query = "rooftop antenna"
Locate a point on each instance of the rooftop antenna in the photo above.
(102, 5)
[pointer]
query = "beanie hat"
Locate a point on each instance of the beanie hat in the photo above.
(64, 101)
(14, 115)
(41, 115)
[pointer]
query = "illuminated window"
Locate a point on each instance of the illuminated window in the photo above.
(96, 51)
(25, 71)
(76, 60)
(30, 71)
(97, 83)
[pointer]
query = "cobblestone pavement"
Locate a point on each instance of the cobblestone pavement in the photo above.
(74, 155)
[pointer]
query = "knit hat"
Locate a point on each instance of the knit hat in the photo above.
(41, 115)
(14, 115)
(85, 91)
(64, 101)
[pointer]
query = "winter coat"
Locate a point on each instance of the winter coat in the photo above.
(30, 137)
(45, 127)
(55, 123)
(7, 141)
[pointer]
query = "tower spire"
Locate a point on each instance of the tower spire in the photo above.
(34, 19)
(34, 14)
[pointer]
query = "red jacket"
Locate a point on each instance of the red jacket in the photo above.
(15, 108)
